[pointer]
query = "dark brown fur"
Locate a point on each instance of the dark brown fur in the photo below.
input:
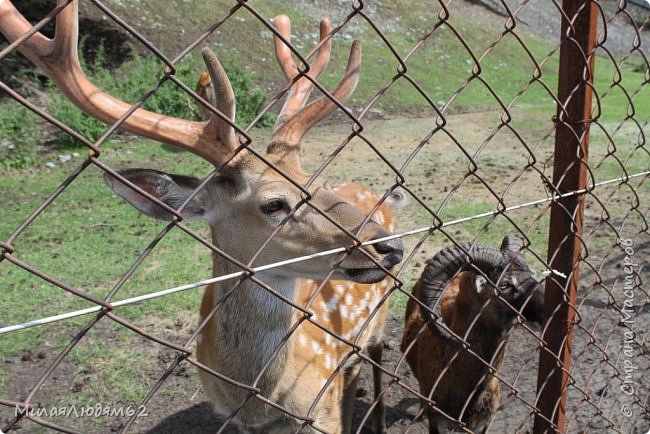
(458, 382)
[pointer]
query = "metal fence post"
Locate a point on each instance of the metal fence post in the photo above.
(569, 174)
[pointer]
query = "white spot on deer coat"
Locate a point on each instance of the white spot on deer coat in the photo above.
(332, 304)
(340, 289)
(323, 317)
(362, 196)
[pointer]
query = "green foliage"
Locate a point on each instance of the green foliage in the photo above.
(139, 75)
(66, 112)
(131, 81)
(19, 132)
(250, 100)
(62, 109)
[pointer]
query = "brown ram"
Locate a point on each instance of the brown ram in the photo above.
(448, 370)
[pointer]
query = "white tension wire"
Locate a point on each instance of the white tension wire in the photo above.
(132, 300)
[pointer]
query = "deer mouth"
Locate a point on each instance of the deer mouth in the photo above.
(362, 275)
(373, 274)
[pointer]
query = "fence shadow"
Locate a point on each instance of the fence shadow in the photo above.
(201, 419)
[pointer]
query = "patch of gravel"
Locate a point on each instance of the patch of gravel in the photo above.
(544, 19)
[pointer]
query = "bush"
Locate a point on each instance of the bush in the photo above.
(19, 133)
(69, 114)
(250, 101)
(131, 80)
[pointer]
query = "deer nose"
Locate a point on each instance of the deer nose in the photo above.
(391, 250)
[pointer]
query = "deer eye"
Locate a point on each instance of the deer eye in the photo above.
(273, 206)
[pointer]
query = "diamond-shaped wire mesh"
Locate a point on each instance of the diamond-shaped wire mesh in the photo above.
(487, 131)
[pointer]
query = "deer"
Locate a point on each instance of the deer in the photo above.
(261, 208)
(480, 302)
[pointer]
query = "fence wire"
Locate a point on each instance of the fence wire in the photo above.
(556, 165)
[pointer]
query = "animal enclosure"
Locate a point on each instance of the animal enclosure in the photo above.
(479, 119)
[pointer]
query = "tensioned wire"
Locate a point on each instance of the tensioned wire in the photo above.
(225, 277)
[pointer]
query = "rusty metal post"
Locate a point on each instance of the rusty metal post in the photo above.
(569, 174)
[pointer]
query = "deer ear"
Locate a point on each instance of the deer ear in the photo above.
(172, 190)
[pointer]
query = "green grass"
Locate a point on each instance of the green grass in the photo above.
(17, 136)
(114, 360)
(87, 239)
(440, 66)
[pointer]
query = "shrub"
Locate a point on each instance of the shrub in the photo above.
(249, 99)
(69, 114)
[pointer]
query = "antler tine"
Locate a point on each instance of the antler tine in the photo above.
(58, 58)
(13, 25)
(282, 52)
(301, 89)
(224, 97)
(292, 131)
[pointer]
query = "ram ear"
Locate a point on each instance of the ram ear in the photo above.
(172, 190)
(479, 282)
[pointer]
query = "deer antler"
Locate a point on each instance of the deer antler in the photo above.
(295, 119)
(301, 89)
(213, 140)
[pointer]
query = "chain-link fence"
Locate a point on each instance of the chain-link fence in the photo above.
(489, 131)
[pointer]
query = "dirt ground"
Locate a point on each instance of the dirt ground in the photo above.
(180, 406)
(187, 411)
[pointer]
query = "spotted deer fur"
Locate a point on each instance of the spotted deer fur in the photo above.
(307, 364)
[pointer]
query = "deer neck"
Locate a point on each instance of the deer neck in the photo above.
(251, 324)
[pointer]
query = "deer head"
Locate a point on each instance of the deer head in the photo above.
(249, 202)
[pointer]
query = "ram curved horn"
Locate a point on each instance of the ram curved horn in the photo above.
(441, 269)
